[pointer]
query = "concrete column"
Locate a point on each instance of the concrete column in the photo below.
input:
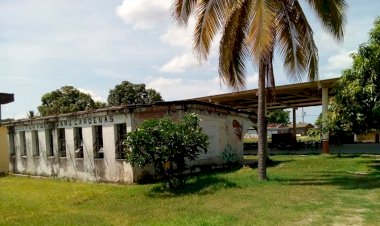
(294, 136)
(325, 136)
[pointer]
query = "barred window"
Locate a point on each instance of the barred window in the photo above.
(121, 131)
(61, 142)
(98, 142)
(78, 142)
(22, 143)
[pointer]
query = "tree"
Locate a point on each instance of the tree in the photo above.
(65, 100)
(356, 102)
(168, 146)
(318, 121)
(278, 116)
(129, 93)
(253, 29)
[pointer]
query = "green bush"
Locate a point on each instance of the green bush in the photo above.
(167, 145)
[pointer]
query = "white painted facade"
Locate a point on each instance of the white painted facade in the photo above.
(60, 154)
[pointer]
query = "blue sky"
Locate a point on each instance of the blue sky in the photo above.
(93, 45)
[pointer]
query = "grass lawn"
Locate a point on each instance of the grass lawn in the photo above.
(302, 190)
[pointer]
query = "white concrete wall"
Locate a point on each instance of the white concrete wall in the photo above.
(222, 137)
(219, 126)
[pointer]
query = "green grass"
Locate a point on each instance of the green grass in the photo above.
(302, 190)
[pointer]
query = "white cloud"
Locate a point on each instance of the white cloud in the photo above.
(339, 61)
(179, 64)
(179, 36)
(144, 14)
(252, 80)
(93, 95)
(179, 89)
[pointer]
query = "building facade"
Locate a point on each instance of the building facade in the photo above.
(89, 145)
(4, 160)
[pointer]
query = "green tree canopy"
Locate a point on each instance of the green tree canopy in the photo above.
(278, 116)
(356, 104)
(129, 93)
(65, 100)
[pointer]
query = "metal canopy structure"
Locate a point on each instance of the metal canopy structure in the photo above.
(5, 98)
(287, 96)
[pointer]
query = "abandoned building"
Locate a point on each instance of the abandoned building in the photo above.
(89, 145)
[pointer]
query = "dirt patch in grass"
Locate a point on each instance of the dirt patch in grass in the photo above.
(350, 217)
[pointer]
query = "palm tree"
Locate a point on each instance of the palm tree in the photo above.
(252, 30)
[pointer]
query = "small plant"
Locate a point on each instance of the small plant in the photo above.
(167, 146)
(229, 154)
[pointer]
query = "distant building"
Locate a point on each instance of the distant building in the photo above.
(275, 128)
(301, 128)
(89, 145)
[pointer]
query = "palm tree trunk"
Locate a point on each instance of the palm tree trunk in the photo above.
(261, 125)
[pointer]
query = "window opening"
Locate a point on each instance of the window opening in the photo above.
(49, 142)
(78, 142)
(98, 144)
(22, 143)
(36, 143)
(121, 148)
(12, 145)
(61, 142)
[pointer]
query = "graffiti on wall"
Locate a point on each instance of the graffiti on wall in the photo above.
(238, 128)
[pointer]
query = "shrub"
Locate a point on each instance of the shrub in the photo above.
(167, 145)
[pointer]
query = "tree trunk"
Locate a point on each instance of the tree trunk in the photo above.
(261, 125)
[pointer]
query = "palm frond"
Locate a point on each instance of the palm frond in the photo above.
(260, 36)
(307, 43)
(210, 16)
(289, 39)
(332, 15)
(182, 9)
(233, 51)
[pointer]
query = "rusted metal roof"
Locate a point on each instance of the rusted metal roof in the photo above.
(287, 96)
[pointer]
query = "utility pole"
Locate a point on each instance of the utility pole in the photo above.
(303, 116)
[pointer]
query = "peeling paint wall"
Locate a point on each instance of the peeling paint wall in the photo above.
(223, 127)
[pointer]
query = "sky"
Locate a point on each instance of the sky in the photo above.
(94, 45)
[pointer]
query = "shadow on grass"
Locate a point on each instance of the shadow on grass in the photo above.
(208, 181)
(201, 185)
(270, 163)
(350, 156)
(344, 180)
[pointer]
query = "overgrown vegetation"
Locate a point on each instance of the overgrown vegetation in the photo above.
(168, 146)
(355, 106)
(302, 190)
